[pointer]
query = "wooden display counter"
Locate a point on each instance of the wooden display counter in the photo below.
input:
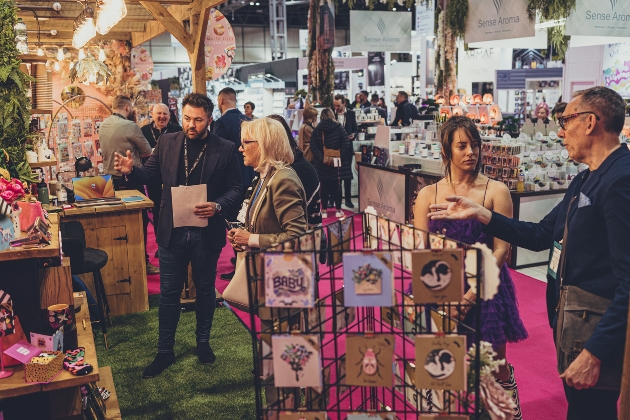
(117, 230)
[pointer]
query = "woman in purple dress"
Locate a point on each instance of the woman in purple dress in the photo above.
(461, 156)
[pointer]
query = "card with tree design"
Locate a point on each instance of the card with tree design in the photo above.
(289, 280)
(441, 362)
(438, 276)
(296, 361)
(370, 360)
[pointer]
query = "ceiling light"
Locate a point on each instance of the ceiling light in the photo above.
(57, 67)
(257, 4)
(84, 29)
(60, 55)
(251, 3)
(40, 51)
(110, 12)
(101, 54)
(81, 53)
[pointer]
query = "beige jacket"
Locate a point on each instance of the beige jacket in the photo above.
(279, 211)
(304, 139)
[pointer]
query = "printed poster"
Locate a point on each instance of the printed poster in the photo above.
(616, 65)
(220, 45)
(599, 18)
(491, 20)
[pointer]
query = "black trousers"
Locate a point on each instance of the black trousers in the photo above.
(155, 194)
(347, 184)
(122, 184)
(331, 188)
(589, 404)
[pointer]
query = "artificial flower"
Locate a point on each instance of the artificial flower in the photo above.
(495, 399)
(8, 196)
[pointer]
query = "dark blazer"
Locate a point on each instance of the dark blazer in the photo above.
(335, 138)
(219, 171)
(229, 127)
(152, 138)
(350, 124)
(405, 111)
(597, 248)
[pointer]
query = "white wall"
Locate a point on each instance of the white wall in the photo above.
(582, 69)
(480, 65)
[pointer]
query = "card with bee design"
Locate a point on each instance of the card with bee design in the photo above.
(370, 360)
(437, 276)
(441, 362)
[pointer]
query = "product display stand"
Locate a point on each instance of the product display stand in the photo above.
(333, 359)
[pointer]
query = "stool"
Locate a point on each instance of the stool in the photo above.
(85, 260)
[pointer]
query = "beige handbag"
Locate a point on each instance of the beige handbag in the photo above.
(235, 294)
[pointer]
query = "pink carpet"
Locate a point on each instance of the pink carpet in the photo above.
(540, 389)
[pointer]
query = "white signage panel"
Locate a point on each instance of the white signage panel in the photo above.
(490, 20)
(380, 31)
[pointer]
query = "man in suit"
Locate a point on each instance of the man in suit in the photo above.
(348, 121)
(363, 97)
(161, 124)
(229, 127)
(595, 251)
(192, 157)
(374, 104)
(405, 110)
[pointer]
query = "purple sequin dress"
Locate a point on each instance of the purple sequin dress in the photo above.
(500, 319)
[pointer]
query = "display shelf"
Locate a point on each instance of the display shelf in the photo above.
(32, 58)
(43, 164)
(41, 111)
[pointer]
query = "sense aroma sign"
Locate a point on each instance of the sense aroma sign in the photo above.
(492, 20)
(599, 18)
(382, 31)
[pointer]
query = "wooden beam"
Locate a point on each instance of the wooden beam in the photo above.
(165, 2)
(152, 29)
(199, 23)
(170, 23)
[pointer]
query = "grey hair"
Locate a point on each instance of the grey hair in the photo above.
(162, 105)
(606, 104)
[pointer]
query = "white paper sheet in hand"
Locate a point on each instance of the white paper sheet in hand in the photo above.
(185, 198)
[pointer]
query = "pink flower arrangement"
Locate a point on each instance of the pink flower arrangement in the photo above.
(11, 191)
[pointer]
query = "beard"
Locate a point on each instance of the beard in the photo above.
(193, 134)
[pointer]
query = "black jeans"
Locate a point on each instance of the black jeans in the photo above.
(589, 404)
(347, 188)
(122, 184)
(155, 194)
(186, 246)
(331, 188)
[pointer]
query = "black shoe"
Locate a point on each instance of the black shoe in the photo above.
(233, 260)
(227, 276)
(161, 362)
(205, 354)
(349, 204)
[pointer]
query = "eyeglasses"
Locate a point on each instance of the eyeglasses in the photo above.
(563, 120)
(244, 143)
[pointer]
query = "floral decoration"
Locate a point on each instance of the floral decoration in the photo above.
(11, 191)
(366, 273)
(296, 356)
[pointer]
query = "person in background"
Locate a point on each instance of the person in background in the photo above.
(307, 174)
(118, 134)
(249, 108)
(363, 97)
(160, 114)
(405, 111)
(541, 113)
(374, 101)
(558, 110)
(461, 158)
(194, 157)
(229, 127)
(331, 134)
(304, 136)
(348, 121)
(591, 226)
(357, 101)
(381, 103)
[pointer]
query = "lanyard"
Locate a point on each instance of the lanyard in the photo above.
(161, 133)
(186, 159)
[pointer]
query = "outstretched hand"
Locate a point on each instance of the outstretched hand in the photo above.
(122, 163)
(459, 208)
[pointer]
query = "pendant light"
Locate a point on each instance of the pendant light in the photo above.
(110, 12)
(60, 55)
(84, 28)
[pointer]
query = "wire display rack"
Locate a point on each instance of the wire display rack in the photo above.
(330, 325)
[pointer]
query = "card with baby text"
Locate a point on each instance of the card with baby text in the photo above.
(441, 362)
(368, 279)
(437, 276)
(296, 361)
(289, 280)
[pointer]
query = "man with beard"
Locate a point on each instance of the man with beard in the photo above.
(192, 157)
(160, 114)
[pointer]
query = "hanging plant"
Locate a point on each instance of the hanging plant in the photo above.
(446, 51)
(550, 10)
(456, 15)
(321, 68)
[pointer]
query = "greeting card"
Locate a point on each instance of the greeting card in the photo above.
(64, 156)
(289, 281)
(410, 239)
(316, 318)
(296, 361)
(442, 417)
(437, 276)
(436, 241)
(303, 415)
(372, 416)
(317, 398)
(441, 362)
(368, 279)
(344, 316)
(89, 149)
(370, 228)
(370, 360)
(384, 229)
(77, 149)
(339, 239)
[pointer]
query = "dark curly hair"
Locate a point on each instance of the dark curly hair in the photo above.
(198, 100)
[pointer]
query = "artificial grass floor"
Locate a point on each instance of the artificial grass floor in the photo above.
(187, 389)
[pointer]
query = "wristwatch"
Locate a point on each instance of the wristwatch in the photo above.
(217, 207)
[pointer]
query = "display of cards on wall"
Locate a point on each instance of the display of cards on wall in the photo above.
(370, 360)
(317, 398)
(344, 316)
(372, 416)
(441, 362)
(296, 361)
(436, 241)
(410, 239)
(437, 276)
(303, 415)
(289, 281)
(316, 318)
(384, 229)
(368, 279)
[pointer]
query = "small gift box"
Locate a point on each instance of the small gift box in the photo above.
(44, 367)
(48, 342)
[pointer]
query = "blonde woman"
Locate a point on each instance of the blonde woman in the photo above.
(277, 208)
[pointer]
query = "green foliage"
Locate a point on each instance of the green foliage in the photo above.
(550, 9)
(456, 15)
(558, 40)
(15, 107)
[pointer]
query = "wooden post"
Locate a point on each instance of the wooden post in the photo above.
(199, 24)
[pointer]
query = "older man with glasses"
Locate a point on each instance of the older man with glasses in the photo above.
(587, 295)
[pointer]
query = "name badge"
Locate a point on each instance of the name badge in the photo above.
(554, 259)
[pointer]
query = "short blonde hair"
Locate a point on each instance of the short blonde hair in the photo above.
(309, 113)
(271, 136)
